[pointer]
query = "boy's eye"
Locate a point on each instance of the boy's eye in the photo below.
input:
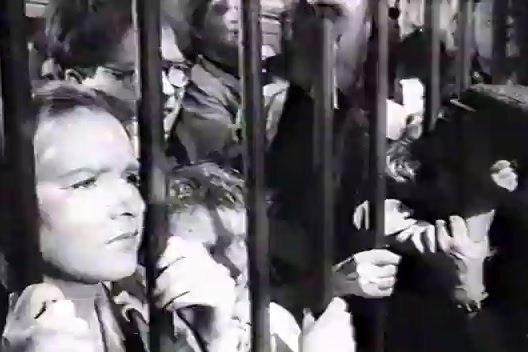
(133, 179)
(89, 182)
(120, 74)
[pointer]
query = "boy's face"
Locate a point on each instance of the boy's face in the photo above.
(120, 79)
(91, 210)
(222, 231)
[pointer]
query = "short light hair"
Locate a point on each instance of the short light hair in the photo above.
(205, 183)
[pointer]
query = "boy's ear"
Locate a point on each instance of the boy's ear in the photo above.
(72, 75)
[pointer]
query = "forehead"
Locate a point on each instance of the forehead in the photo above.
(194, 223)
(126, 54)
(80, 138)
(169, 48)
(208, 225)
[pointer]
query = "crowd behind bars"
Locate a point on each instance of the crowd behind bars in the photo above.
(452, 270)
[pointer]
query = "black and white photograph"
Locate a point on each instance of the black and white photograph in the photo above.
(263, 176)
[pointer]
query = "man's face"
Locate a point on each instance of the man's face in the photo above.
(90, 208)
(221, 230)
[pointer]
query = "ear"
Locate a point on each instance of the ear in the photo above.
(71, 75)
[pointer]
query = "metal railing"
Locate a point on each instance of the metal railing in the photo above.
(19, 147)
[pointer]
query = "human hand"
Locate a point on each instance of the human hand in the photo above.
(397, 216)
(468, 255)
(369, 274)
(421, 236)
(504, 175)
(190, 278)
(44, 321)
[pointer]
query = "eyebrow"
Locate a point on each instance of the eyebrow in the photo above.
(83, 170)
(132, 167)
(180, 64)
(126, 67)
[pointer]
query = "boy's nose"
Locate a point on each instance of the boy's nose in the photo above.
(168, 89)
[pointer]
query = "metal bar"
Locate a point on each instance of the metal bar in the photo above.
(323, 229)
(19, 151)
(520, 11)
(151, 133)
(432, 84)
(2, 124)
(378, 147)
(258, 237)
(464, 52)
(500, 34)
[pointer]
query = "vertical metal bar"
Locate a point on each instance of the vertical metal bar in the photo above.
(18, 117)
(258, 239)
(499, 43)
(323, 229)
(378, 147)
(2, 124)
(520, 19)
(153, 178)
(464, 38)
(432, 84)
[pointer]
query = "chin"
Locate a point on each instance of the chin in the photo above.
(121, 270)
(107, 271)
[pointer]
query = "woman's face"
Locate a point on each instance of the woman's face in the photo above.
(222, 231)
(91, 210)
(221, 30)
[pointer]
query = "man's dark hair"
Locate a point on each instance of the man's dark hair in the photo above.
(85, 33)
(205, 183)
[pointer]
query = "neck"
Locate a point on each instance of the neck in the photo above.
(74, 289)
(81, 294)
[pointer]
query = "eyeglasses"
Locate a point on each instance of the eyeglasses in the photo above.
(120, 74)
(176, 73)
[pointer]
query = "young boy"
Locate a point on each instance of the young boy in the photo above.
(207, 205)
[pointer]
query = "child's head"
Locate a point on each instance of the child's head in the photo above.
(95, 42)
(212, 27)
(86, 181)
(207, 205)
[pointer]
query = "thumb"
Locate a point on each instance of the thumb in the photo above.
(377, 257)
(458, 228)
(361, 215)
(34, 300)
(442, 236)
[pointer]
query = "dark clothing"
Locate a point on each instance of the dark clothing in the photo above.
(421, 315)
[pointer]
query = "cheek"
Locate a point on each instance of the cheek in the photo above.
(66, 210)
(125, 90)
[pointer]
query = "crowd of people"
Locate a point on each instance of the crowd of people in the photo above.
(450, 274)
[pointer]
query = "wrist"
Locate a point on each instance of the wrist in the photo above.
(470, 290)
